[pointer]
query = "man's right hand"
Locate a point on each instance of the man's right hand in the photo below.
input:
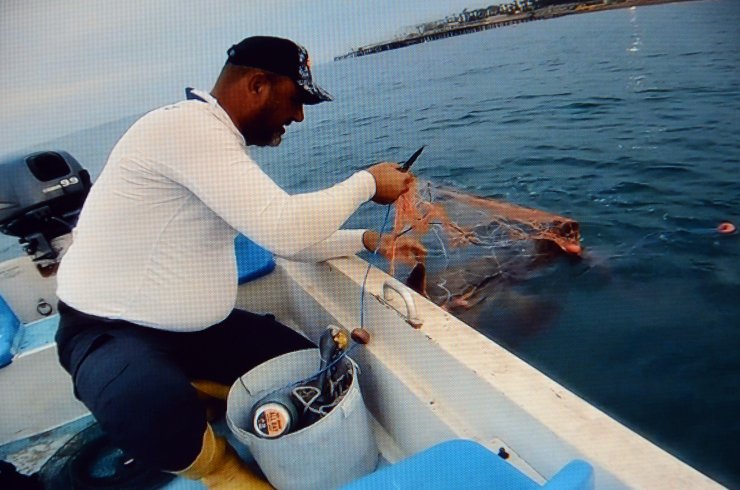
(390, 182)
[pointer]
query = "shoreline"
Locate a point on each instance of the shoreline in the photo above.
(453, 29)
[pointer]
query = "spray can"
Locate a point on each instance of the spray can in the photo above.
(274, 416)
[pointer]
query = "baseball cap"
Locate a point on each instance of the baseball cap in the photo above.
(280, 56)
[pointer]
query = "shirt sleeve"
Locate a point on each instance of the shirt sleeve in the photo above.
(211, 161)
(342, 243)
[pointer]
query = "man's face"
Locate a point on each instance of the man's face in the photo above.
(282, 107)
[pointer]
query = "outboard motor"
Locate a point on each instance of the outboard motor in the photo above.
(41, 196)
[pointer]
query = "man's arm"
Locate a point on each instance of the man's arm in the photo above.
(344, 243)
(212, 163)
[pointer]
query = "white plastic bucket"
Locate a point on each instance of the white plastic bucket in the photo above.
(337, 449)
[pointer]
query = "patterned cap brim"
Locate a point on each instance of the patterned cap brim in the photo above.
(312, 93)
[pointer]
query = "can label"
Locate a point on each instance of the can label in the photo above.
(271, 420)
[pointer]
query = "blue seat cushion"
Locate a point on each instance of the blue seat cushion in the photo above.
(9, 325)
(252, 261)
(466, 464)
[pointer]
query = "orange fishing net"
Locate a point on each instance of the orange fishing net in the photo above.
(474, 242)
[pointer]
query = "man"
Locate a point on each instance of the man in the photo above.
(147, 289)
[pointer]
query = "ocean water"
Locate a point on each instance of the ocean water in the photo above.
(626, 121)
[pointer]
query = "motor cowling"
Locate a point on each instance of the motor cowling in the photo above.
(41, 195)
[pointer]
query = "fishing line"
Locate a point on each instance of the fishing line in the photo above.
(362, 324)
(369, 266)
(723, 229)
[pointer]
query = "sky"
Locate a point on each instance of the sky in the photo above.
(73, 64)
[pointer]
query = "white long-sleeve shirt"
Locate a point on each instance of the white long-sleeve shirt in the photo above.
(154, 244)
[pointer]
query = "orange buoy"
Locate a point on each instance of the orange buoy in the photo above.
(360, 335)
(572, 248)
(726, 228)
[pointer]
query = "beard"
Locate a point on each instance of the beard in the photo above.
(275, 141)
(262, 136)
(264, 132)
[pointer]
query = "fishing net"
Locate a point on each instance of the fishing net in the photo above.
(475, 244)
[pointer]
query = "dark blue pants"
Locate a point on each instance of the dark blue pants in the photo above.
(136, 380)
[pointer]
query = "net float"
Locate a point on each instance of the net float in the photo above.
(726, 228)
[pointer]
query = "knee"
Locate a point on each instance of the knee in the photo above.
(160, 423)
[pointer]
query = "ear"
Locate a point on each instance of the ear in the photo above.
(258, 84)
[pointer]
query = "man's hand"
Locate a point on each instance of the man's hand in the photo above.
(408, 250)
(390, 182)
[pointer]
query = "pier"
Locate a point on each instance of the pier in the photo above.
(449, 30)
(492, 17)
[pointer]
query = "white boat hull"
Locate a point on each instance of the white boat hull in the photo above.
(422, 385)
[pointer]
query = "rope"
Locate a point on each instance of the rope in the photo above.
(369, 266)
(304, 381)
